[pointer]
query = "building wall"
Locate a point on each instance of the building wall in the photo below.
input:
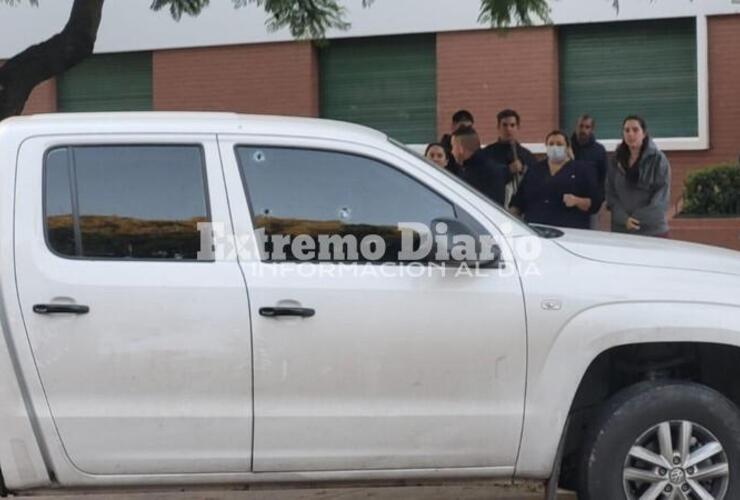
(487, 71)
(43, 99)
(724, 103)
(483, 71)
(275, 78)
(724, 122)
(220, 24)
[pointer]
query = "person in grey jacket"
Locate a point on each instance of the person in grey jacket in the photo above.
(638, 184)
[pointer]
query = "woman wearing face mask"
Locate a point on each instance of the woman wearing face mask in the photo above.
(638, 183)
(558, 191)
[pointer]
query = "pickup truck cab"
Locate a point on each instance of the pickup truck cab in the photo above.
(168, 319)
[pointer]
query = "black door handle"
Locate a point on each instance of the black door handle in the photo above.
(281, 312)
(60, 309)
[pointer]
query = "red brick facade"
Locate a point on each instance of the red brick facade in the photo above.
(724, 134)
(275, 78)
(43, 99)
(724, 103)
(487, 71)
(719, 232)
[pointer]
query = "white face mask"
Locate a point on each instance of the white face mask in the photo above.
(557, 154)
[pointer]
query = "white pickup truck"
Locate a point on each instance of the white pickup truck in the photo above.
(165, 322)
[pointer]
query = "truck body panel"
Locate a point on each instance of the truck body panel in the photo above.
(176, 375)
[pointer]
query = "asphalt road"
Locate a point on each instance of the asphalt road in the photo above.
(479, 490)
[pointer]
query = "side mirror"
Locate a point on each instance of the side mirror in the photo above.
(455, 243)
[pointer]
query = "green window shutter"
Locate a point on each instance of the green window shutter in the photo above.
(613, 70)
(108, 82)
(386, 83)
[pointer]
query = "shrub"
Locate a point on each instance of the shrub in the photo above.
(713, 191)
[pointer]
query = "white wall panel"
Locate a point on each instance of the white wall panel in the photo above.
(129, 25)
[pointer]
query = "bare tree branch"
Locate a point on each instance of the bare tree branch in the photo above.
(304, 18)
(20, 74)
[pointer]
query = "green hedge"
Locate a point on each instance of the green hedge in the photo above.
(713, 192)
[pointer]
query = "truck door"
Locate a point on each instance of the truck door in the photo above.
(141, 342)
(365, 365)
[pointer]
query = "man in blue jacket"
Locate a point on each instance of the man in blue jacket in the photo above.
(478, 169)
(462, 118)
(508, 151)
(587, 149)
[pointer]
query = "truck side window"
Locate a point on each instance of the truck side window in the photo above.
(296, 192)
(58, 203)
(125, 202)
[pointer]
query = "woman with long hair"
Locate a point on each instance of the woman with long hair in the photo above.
(638, 184)
(437, 154)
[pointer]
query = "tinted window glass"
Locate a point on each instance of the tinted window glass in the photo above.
(307, 192)
(142, 202)
(58, 202)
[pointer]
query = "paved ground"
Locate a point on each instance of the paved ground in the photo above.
(479, 490)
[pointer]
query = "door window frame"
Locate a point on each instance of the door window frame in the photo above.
(459, 213)
(69, 147)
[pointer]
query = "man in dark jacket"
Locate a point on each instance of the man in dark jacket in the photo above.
(586, 148)
(478, 169)
(462, 118)
(508, 151)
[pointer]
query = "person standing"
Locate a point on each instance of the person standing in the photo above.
(587, 149)
(638, 184)
(558, 191)
(462, 118)
(476, 168)
(508, 151)
(437, 154)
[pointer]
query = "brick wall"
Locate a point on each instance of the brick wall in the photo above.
(275, 78)
(724, 103)
(487, 71)
(724, 123)
(43, 99)
(717, 232)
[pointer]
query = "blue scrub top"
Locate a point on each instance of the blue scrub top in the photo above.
(540, 195)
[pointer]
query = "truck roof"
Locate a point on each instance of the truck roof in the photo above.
(188, 123)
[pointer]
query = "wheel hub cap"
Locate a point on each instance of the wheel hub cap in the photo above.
(676, 460)
(677, 476)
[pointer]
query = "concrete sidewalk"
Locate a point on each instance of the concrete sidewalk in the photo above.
(478, 490)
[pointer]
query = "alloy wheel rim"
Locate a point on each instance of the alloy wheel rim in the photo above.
(676, 460)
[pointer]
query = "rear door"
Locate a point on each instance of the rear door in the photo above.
(142, 342)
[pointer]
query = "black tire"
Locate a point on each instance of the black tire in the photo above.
(635, 410)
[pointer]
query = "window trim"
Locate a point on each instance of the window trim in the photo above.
(75, 202)
(245, 187)
(701, 141)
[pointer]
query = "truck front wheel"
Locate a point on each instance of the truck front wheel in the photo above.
(663, 441)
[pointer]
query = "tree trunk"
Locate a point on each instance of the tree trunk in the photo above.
(20, 74)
